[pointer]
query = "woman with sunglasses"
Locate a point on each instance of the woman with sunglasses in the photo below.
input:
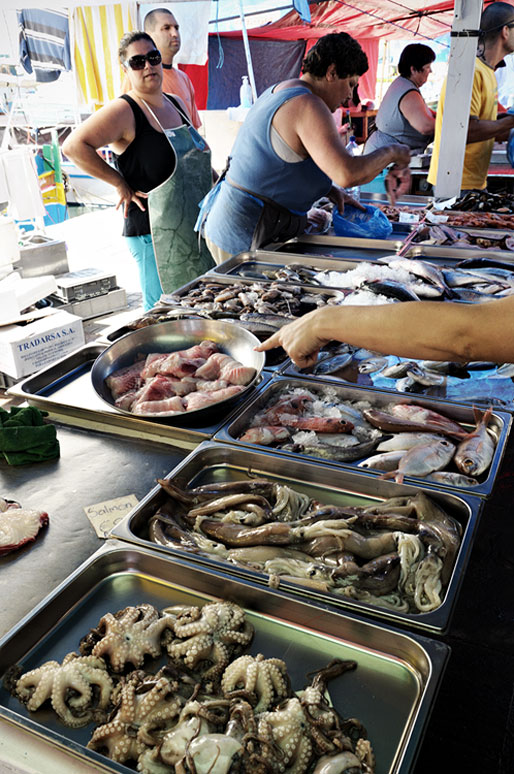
(163, 169)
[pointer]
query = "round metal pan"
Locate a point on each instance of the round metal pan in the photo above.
(170, 337)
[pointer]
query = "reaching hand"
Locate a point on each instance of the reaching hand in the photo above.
(299, 339)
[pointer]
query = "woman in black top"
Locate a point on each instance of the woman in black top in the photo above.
(163, 170)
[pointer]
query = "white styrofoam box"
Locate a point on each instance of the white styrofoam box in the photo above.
(25, 349)
(17, 293)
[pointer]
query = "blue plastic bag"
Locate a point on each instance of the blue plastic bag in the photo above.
(372, 224)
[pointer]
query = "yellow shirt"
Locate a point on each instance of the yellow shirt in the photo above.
(484, 105)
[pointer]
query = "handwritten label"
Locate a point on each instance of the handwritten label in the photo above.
(408, 217)
(104, 516)
(431, 218)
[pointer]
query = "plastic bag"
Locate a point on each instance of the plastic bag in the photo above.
(371, 224)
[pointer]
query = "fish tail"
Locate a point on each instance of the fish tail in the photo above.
(390, 474)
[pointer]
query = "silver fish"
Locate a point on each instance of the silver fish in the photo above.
(405, 384)
(426, 378)
(423, 459)
(475, 453)
(397, 370)
(422, 269)
(407, 441)
(373, 365)
(387, 461)
(506, 370)
(332, 364)
(452, 479)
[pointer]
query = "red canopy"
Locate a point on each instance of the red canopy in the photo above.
(365, 20)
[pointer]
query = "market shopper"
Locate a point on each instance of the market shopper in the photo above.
(496, 41)
(288, 152)
(403, 115)
(425, 330)
(163, 28)
(163, 170)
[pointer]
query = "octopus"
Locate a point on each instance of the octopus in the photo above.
(128, 636)
(198, 719)
(145, 712)
(208, 638)
(280, 742)
(79, 689)
(262, 682)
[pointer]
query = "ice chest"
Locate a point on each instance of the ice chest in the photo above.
(25, 349)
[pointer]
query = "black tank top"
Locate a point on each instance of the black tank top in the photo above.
(146, 163)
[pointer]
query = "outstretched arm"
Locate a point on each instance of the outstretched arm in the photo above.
(428, 330)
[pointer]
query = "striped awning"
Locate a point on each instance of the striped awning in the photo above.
(97, 32)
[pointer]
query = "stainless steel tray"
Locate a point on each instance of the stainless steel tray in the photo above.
(391, 691)
(482, 388)
(65, 390)
(257, 260)
(499, 424)
(174, 299)
(332, 246)
(222, 462)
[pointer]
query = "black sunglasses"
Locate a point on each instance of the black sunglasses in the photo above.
(137, 62)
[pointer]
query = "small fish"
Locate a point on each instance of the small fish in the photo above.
(426, 378)
(406, 384)
(452, 479)
(391, 289)
(479, 262)
(335, 453)
(446, 367)
(387, 461)
(480, 365)
(397, 370)
(265, 435)
(475, 453)
(413, 418)
(373, 365)
(426, 271)
(332, 365)
(506, 370)
(422, 460)
(405, 441)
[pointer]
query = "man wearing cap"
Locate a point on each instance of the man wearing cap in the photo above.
(496, 40)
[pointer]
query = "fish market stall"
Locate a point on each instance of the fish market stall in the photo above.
(415, 621)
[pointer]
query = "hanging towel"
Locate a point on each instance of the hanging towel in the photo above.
(25, 438)
(97, 33)
(44, 42)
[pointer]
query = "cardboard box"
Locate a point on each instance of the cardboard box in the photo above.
(25, 349)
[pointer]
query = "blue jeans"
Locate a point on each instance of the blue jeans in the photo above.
(141, 248)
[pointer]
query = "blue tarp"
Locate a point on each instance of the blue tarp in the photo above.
(273, 61)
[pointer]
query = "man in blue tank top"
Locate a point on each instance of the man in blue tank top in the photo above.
(288, 154)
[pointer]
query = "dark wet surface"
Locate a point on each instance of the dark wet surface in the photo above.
(472, 724)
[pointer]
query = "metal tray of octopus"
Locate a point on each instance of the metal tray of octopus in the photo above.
(421, 440)
(228, 632)
(296, 543)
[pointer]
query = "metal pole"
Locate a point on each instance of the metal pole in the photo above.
(459, 86)
(247, 51)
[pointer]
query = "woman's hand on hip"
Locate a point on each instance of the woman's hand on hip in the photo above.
(127, 195)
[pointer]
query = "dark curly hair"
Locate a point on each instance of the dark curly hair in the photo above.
(414, 55)
(339, 49)
(131, 37)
